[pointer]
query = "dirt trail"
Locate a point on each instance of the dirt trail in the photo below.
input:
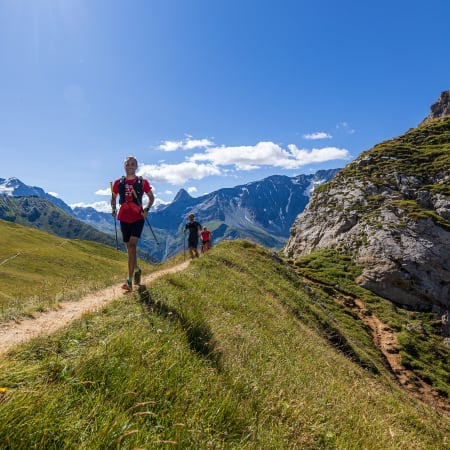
(14, 333)
(386, 340)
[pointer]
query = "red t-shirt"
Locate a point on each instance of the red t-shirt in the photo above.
(206, 235)
(129, 210)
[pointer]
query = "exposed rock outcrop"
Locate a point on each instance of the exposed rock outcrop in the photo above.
(440, 109)
(390, 210)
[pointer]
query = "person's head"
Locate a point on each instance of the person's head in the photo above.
(191, 217)
(204, 228)
(130, 164)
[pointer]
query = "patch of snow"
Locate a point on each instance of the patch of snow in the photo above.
(6, 190)
(310, 189)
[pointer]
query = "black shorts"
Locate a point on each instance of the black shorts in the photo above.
(131, 229)
(193, 241)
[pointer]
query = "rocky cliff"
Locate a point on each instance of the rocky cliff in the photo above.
(390, 210)
(440, 109)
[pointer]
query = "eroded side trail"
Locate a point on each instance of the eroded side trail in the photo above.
(386, 340)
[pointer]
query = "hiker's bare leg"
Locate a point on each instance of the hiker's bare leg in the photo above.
(132, 255)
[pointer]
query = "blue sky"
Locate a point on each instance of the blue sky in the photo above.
(209, 93)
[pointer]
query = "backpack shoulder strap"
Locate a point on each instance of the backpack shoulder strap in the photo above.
(121, 190)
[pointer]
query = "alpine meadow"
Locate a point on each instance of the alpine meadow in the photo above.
(241, 350)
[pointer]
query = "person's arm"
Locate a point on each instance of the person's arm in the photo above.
(113, 201)
(151, 200)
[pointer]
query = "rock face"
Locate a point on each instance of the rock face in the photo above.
(440, 109)
(390, 210)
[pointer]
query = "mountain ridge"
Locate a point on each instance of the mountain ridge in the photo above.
(262, 211)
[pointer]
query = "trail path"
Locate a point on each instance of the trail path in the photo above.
(386, 340)
(14, 333)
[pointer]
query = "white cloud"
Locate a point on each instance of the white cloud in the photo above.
(178, 174)
(243, 157)
(317, 135)
(103, 192)
(345, 127)
(197, 143)
(54, 194)
(187, 144)
(192, 190)
(316, 155)
(171, 146)
(268, 154)
(212, 160)
(105, 207)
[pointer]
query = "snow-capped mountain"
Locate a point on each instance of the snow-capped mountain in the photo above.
(262, 211)
(13, 187)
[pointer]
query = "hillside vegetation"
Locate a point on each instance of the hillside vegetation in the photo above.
(422, 152)
(41, 214)
(236, 352)
(38, 270)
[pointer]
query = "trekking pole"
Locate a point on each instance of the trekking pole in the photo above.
(115, 221)
(148, 223)
(151, 229)
(184, 246)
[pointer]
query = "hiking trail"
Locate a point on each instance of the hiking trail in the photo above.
(385, 340)
(14, 333)
(45, 323)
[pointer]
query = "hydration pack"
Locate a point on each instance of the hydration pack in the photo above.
(137, 188)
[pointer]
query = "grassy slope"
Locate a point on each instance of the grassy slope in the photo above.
(421, 345)
(229, 354)
(43, 215)
(38, 270)
(423, 153)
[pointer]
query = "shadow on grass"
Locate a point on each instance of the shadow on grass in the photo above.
(198, 333)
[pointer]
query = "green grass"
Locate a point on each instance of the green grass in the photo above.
(420, 339)
(39, 270)
(232, 353)
(422, 153)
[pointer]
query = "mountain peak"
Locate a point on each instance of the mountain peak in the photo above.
(439, 109)
(182, 195)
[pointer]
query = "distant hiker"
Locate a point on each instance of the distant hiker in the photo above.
(194, 229)
(130, 190)
(206, 239)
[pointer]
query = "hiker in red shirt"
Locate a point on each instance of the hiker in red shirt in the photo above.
(206, 239)
(130, 190)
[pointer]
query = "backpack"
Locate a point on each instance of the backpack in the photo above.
(137, 188)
